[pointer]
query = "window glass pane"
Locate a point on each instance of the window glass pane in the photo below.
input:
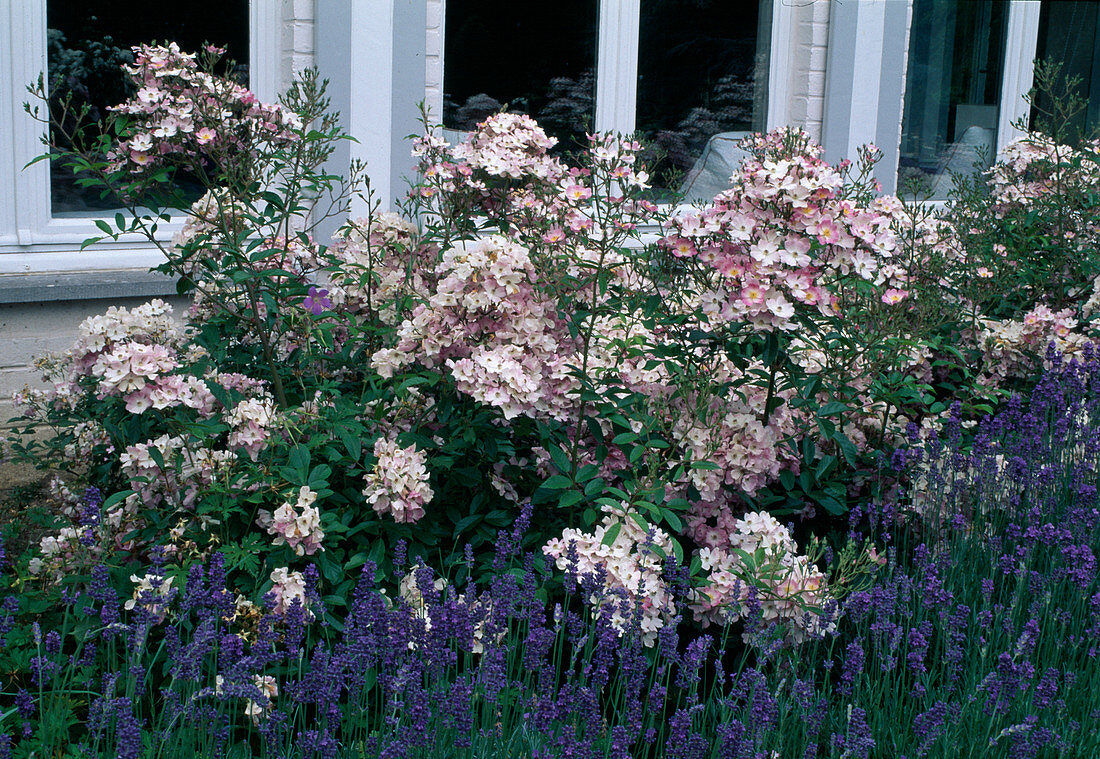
(1069, 34)
(702, 84)
(952, 91)
(536, 58)
(88, 40)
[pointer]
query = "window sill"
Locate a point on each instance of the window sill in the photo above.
(102, 284)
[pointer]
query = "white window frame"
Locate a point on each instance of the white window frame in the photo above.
(32, 239)
(1017, 75)
(619, 26)
(617, 64)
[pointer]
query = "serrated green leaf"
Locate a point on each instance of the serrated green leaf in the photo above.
(706, 465)
(594, 487)
(560, 459)
(673, 520)
(677, 550)
(570, 498)
(557, 482)
(787, 479)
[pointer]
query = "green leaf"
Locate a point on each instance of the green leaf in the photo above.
(612, 533)
(787, 479)
(114, 498)
(570, 498)
(318, 478)
(832, 409)
(299, 462)
(677, 550)
(831, 505)
(847, 448)
(595, 487)
(352, 443)
(708, 465)
(587, 472)
(672, 519)
(824, 466)
(558, 482)
(560, 459)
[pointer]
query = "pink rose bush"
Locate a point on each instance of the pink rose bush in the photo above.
(525, 330)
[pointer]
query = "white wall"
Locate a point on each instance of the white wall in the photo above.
(296, 39)
(433, 60)
(806, 88)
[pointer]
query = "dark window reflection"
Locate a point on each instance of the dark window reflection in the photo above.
(533, 57)
(702, 72)
(89, 40)
(952, 92)
(1069, 34)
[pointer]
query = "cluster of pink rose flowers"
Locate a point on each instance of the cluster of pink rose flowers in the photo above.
(784, 234)
(623, 552)
(296, 524)
(786, 585)
(505, 169)
(1036, 166)
(380, 265)
(398, 483)
(181, 109)
(1011, 348)
(490, 326)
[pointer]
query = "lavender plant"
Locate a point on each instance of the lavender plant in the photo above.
(978, 636)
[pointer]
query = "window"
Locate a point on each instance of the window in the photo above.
(1069, 34)
(953, 89)
(533, 58)
(87, 41)
(689, 76)
(46, 217)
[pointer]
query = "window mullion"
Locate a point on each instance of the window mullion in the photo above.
(617, 65)
(28, 62)
(1021, 42)
(264, 20)
(9, 107)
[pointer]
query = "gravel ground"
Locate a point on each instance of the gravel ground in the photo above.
(17, 475)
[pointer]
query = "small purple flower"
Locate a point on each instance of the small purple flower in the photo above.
(316, 301)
